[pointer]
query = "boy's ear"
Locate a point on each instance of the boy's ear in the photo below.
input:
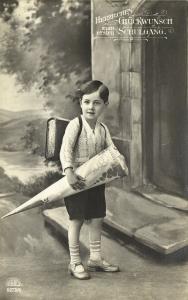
(106, 103)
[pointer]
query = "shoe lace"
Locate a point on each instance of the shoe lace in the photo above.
(79, 267)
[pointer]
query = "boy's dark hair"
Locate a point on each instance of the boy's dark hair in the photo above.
(92, 86)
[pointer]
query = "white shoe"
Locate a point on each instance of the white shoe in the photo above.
(101, 266)
(77, 270)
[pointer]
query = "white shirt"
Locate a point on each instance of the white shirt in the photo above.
(75, 151)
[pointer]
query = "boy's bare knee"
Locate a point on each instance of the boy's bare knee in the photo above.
(96, 222)
(76, 222)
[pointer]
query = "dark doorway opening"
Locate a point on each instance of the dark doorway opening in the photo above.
(165, 104)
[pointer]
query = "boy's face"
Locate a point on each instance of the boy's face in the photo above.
(92, 106)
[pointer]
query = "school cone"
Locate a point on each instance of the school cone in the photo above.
(102, 168)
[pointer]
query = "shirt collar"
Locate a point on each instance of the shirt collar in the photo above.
(87, 126)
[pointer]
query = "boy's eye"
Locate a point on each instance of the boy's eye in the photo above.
(94, 102)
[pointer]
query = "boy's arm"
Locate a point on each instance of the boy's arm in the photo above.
(68, 144)
(108, 140)
(77, 182)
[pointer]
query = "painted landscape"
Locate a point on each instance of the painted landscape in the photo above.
(22, 160)
(23, 130)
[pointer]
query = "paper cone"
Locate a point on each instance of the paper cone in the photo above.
(102, 168)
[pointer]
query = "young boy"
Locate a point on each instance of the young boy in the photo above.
(77, 148)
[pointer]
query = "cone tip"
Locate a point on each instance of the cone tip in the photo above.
(5, 216)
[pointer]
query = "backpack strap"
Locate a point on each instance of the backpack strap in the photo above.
(104, 129)
(80, 129)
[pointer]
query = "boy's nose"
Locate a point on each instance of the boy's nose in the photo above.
(91, 105)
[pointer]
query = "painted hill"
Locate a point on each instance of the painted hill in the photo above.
(22, 129)
(6, 115)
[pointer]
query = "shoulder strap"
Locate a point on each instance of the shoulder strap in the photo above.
(104, 129)
(80, 123)
(80, 129)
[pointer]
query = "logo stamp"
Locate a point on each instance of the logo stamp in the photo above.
(14, 285)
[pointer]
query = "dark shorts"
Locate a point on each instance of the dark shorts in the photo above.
(87, 204)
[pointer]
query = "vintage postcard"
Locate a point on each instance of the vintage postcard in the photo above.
(93, 152)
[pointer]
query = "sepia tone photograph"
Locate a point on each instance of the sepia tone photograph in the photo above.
(94, 150)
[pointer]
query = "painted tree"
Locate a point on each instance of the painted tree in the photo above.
(30, 138)
(46, 45)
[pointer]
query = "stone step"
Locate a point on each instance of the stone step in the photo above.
(160, 228)
(149, 222)
(167, 200)
(166, 237)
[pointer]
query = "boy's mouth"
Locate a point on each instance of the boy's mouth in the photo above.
(91, 112)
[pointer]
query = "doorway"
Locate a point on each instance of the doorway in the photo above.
(165, 104)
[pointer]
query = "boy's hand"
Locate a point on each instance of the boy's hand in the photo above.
(75, 181)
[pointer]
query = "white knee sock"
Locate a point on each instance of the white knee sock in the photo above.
(95, 250)
(74, 254)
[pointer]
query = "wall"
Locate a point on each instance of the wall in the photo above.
(118, 64)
